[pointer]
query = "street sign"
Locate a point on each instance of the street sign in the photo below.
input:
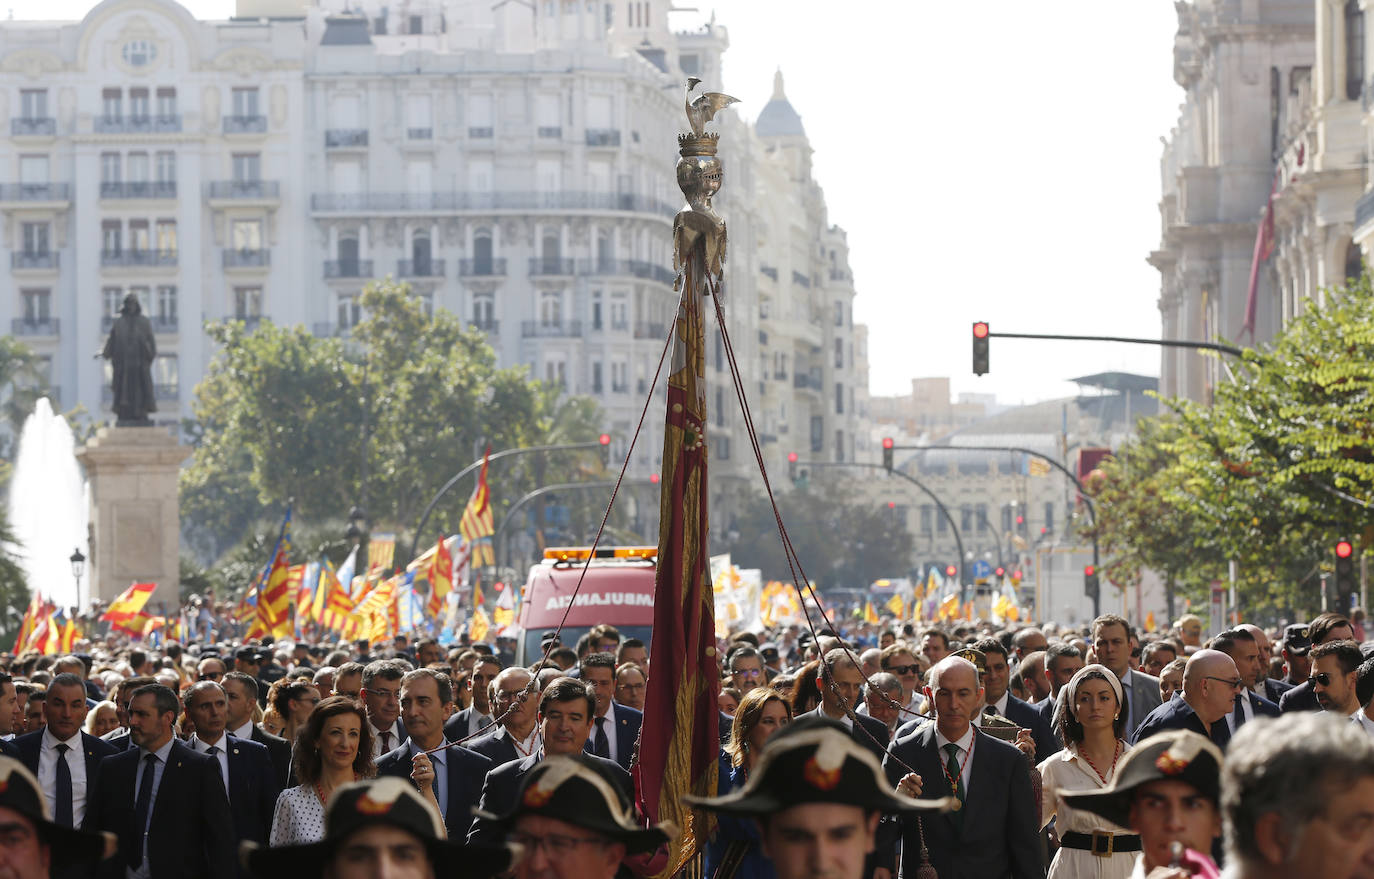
(982, 570)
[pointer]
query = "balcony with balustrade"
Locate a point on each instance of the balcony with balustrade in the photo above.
(33, 126)
(243, 193)
(139, 259)
(551, 266)
(603, 137)
(482, 268)
(138, 189)
(361, 203)
(37, 261)
(538, 329)
(30, 327)
(420, 268)
(138, 124)
(348, 268)
(162, 323)
(345, 138)
(246, 259)
(255, 124)
(49, 196)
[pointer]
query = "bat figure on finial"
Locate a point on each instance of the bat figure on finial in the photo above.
(704, 107)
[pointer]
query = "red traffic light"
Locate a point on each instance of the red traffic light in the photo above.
(791, 457)
(892, 505)
(604, 439)
(653, 478)
(1000, 571)
(1089, 570)
(950, 571)
(887, 442)
(1020, 520)
(500, 586)
(980, 330)
(1344, 549)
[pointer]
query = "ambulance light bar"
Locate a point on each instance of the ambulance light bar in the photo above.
(575, 553)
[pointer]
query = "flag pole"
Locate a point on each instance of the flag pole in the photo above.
(679, 742)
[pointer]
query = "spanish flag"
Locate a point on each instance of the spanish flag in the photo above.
(478, 523)
(129, 603)
(27, 624)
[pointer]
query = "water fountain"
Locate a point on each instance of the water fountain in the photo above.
(49, 505)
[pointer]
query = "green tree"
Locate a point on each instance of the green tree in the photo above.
(381, 419)
(1269, 475)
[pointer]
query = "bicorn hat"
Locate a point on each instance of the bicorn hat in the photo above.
(1175, 755)
(71, 849)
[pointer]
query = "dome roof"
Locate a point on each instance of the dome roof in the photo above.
(778, 119)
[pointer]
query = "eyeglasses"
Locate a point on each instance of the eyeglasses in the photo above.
(555, 843)
(747, 672)
(633, 688)
(211, 675)
(1322, 678)
(1235, 684)
(903, 669)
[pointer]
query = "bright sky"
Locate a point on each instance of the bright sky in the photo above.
(990, 161)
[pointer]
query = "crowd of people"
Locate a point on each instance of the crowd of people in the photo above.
(865, 753)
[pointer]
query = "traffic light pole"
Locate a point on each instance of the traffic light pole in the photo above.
(539, 492)
(1164, 343)
(1087, 501)
(953, 526)
(495, 456)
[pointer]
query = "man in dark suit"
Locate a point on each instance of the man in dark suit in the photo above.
(477, 716)
(164, 802)
(995, 679)
(1062, 662)
(517, 736)
(1210, 685)
(9, 701)
(1268, 688)
(992, 834)
(566, 709)
(615, 728)
(244, 765)
(241, 694)
(841, 684)
(1240, 645)
(61, 756)
(381, 697)
(426, 702)
(1112, 645)
(1326, 627)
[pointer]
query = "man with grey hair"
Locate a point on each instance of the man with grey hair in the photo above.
(872, 662)
(1297, 799)
(883, 697)
(841, 686)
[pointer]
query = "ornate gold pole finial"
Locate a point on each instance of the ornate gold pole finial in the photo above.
(699, 176)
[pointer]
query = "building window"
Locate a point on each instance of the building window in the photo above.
(165, 372)
(247, 235)
(166, 103)
(1354, 262)
(839, 353)
(247, 167)
(839, 313)
(247, 303)
(483, 311)
(110, 168)
(167, 237)
(966, 519)
(1008, 517)
(927, 519)
(111, 242)
(111, 298)
(36, 238)
(245, 102)
(139, 107)
(417, 24)
(348, 259)
(550, 309)
(1049, 517)
(941, 524)
(481, 253)
(420, 255)
(350, 311)
(596, 377)
(620, 376)
(690, 64)
(33, 103)
(145, 298)
(166, 167)
(37, 305)
(980, 513)
(596, 309)
(817, 433)
(839, 399)
(112, 104)
(139, 237)
(556, 372)
(167, 304)
(138, 167)
(1354, 50)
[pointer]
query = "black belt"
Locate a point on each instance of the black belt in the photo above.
(1100, 842)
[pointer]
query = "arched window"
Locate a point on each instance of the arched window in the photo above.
(605, 253)
(348, 257)
(550, 252)
(481, 252)
(420, 254)
(1354, 50)
(1354, 262)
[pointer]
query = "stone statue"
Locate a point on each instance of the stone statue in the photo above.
(131, 348)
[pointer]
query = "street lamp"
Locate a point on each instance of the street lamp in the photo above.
(357, 535)
(78, 568)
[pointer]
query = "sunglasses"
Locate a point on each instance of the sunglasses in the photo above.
(1322, 678)
(903, 669)
(1234, 684)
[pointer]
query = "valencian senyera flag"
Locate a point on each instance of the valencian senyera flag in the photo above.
(478, 523)
(276, 589)
(679, 743)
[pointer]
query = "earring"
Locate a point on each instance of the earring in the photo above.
(746, 747)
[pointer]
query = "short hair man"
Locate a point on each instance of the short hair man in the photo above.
(240, 695)
(477, 716)
(1335, 673)
(1190, 632)
(882, 698)
(426, 702)
(211, 668)
(615, 727)
(1062, 662)
(871, 662)
(1211, 683)
(817, 798)
(934, 645)
(348, 679)
(62, 756)
(1240, 645)
(1297, 799)
(1027, 641)
(995, 678)
(36, 847)
(630, 685)
(1267, 688)
(381, 696)
(1032, 671)
(898, 661)
(746, 669)
(1004, 840)
(566, 709)
(1296, 643)
(1167, 790)
(246, 767)
(379, 827)
(1326, 627)
(1111, 639)
(573, 798)
(516, 705)
(1155, 655)
(841, 686)
(633, 650)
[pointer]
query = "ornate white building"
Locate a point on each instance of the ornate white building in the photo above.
(512, 162)
(1237, 61)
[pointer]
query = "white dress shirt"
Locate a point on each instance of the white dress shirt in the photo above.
(201, 746)
(243, 732)
(844, 717)
(1362, 720)
(965, 743)
(47, 772)
(1000, 706)
(1246, 712)
(477, 721)
(609, 721)
(396, 738)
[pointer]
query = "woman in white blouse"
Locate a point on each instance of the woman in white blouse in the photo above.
(333, 748)
(1091, 721)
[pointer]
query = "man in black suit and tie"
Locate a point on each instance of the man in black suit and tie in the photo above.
(992, 834)
(1267, 688)
(841, 684)
(9, 702)
(477, 716)
(426, 702)
(517, 735)
(1112, 645)
(60, 755)
(566, 709)
(1326, 627)
(1240, 645)
(241, 694)
(164, 802)
(381, 696)
(244, 765)
(996, 678)
(615, 728)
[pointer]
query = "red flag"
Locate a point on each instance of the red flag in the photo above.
(679, 742)
(478, 522)
(1264, 246)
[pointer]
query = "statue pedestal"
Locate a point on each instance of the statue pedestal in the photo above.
(135, 521)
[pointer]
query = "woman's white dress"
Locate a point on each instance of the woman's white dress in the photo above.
(1067, 771)
(298, 818)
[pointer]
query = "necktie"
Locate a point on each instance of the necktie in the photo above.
(213, 751)
(601, 746)
(1240, 713)
(956, 774)
(142, 808)
(63, 795)
(386, 742)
